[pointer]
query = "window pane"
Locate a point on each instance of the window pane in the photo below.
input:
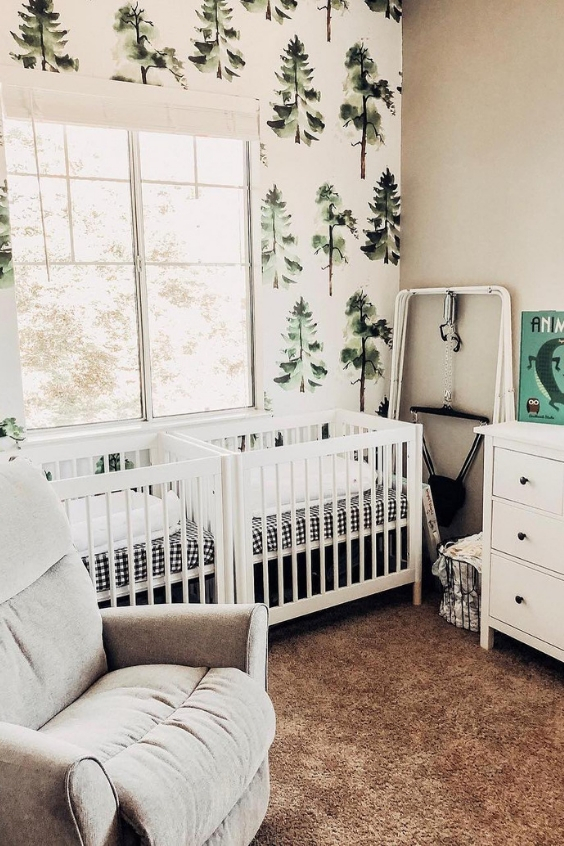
(220, 161)
(166, 158)
(101, 219)
(25, 219)
(78, 342)
(20, 147)
(182, 226)
(95, 152)
(20, 150)
(199, 339)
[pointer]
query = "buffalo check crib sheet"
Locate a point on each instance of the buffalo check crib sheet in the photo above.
(298, 535)
(290, 535)
(158, 556)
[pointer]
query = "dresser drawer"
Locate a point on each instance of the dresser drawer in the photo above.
(528, 535)
(540, 612)
(537, 482)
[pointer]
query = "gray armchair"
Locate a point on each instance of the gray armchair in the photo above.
(129, 727)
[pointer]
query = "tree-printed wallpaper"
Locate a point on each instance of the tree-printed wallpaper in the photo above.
(328, 78)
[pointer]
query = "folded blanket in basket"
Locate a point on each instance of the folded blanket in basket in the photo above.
(118, 520)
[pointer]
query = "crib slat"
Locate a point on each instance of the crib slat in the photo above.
(279, 557)
(398, 475)
(148, 548)
(308, 531)
(373, 470)
(348, 520)
(335, 524)
(361, 530)
(321, 494)
(386, 482)
(91, 556)
(200, 525)
(130, 552)
(265, 574)
(166, 536)
(295, 594)
(183, 541)
(111, 554)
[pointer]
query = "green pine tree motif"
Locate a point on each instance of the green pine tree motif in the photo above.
(42, 40)
(384, 235)
(137, 45)
(362, 332)
(282, 9)
(296, 116)
(278, 265)
(6, 266)
(391, 8)
(328, 7)
(330, 241)
(363, 91)
(303, 367)
(216, 52)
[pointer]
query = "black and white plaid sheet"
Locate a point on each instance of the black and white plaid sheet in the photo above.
(299, 534)
(121, 558)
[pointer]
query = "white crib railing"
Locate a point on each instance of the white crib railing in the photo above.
(146, 513)
(321, 508)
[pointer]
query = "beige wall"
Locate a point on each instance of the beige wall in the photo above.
(482, 171)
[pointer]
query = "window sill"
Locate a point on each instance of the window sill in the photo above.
(40, 437)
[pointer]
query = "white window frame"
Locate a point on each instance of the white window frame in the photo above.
(147, 108)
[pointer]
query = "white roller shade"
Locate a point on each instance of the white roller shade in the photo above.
(127, 105)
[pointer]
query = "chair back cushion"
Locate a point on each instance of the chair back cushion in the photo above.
(51, 646)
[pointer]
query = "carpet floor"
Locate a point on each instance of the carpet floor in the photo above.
(396, 728)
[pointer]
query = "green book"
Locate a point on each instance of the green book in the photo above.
(541, 372)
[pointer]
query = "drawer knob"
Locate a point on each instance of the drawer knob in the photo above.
(521, 535)
(523, 480)
(519, 600)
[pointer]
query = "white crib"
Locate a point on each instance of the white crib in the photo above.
(319, 509)
(146, 513)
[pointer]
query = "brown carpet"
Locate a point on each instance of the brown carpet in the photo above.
(396, 728)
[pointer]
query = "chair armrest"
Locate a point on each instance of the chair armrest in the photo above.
(53, 793)
(191, 635)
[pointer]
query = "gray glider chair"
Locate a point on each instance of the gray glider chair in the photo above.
(133, 726)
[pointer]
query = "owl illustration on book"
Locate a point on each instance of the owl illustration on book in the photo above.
(533, 405)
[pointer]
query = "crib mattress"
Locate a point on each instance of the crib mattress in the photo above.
(297, 534)
(121, 558)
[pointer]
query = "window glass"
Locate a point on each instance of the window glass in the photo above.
(199, 339)
(78, 344)
(220, 161)
(167, 158)
(114, 222)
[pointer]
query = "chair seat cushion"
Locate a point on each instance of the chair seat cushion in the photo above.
(180, 744)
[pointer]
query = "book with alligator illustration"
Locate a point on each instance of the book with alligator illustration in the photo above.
(541, 377)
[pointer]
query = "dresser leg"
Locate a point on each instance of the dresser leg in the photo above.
(487, 638)
(417, 593)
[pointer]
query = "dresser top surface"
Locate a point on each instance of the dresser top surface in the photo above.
(535, 434)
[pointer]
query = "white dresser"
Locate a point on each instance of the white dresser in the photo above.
(523, 556)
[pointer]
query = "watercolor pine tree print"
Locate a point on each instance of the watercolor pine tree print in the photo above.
(364, 93)
(6, 267)
(334, 219)
(391, 8)
(280, 10)
(41, 39)
(383, 238)
(216, 52)
(329, 6)
(279, 264)
(303, 367)
(296, 116)
(137, 46)
(363, 331)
